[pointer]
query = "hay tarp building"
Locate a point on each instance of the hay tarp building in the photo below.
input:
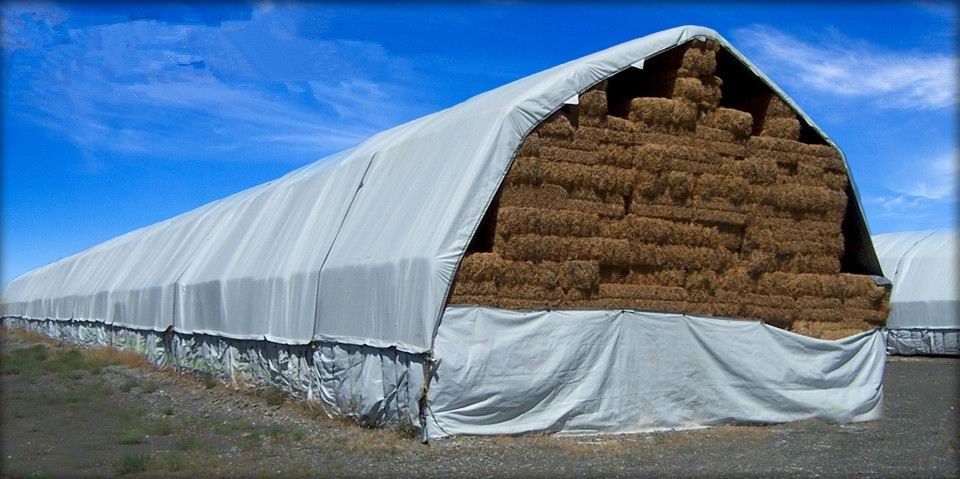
(337, 281)
(925, 301)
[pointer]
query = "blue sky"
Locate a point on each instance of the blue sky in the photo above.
(118, 116)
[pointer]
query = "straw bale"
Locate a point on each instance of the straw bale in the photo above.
(816, 302)
(525, 171)
(818, 314)
(527, 304)
(557, 126)
(863, 302)
(686, 213)
(660, 231)
(544, 274)
(780, 317)
(759, 262)
(557, 248)
(770, 143)
(554, 153)
(533, 196)
(701, 281)
(648, 186)
(740, 123)
(801, 198)
(481, 267)
(489, 300)
(788, 128)
(580, 275)
(607, 135)
(777, 108)
(518, 220)
(704, 95)
(669, 113)
(714, 134)
(725, 310)
(814, 228)
(793, 241)
(623, 125)
(530, 145)
(680, 257)
(875, 316)
(732, 188)
(526, 291)
(698, 63)
(758, 170)
(616, 155)
(821, 264)
(633, 304)
(593, 106)
(642, 291)
(657, 157)
(679, 185)
(475, 288)
(736, 278)
(817, 176)
(598, 177)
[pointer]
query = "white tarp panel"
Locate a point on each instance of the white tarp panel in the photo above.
(925, 300)
(926, 284)
(582, 372)
(358, 248)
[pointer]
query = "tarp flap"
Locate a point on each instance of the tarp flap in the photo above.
(581, 372)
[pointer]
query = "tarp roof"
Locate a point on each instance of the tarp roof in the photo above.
(923, 266)
(360, 247)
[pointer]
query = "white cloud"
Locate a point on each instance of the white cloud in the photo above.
(921, 191)
(198, 91)
(849, 68)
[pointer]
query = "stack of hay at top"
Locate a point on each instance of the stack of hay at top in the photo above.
(679, 207)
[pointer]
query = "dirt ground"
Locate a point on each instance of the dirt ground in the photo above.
(103, 413)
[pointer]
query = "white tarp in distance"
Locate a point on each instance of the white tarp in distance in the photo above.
(358, 248)
(925, 300)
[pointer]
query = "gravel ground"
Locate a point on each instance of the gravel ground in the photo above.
(103, 415)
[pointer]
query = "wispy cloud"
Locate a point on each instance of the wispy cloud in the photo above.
(848, 68)
(200, 90)
(922, 191)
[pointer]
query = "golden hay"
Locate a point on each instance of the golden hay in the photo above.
(698, 63)
(740, 123)
(664, 112)
(788, 128)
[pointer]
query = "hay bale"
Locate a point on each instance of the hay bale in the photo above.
(518, 220)
(815, 175)
(818, 314)
(680, 257)
(557, 126)
(698, 63)
(568, 155)
(777, 108)
(557, 248)
(801, 198)
(597, 177)
(666, 113)
(580, 275)
(647, 186)
(701, 281)
(641, 291)
(480, 267)
(739, 123)
(616, 155)
(788, 128)
(593, 107)
(758, 170)
(660, 231)
(706, 96)
(490, 300)
(544, 274)
(689, 214)
(715, 134)
(525, 171)
(779, 317)
(679, 185)
(820, 264)
(608, 135)
(532, 196)
(474, 288)
(815, 302)
(530, 145)
(769, 143)
(736, 279)
(732, 188)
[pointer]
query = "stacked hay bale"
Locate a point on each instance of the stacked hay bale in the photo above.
(682, 206)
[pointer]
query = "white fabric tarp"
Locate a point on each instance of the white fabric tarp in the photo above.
(358, 248)
(582, 372)
(925, 300)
